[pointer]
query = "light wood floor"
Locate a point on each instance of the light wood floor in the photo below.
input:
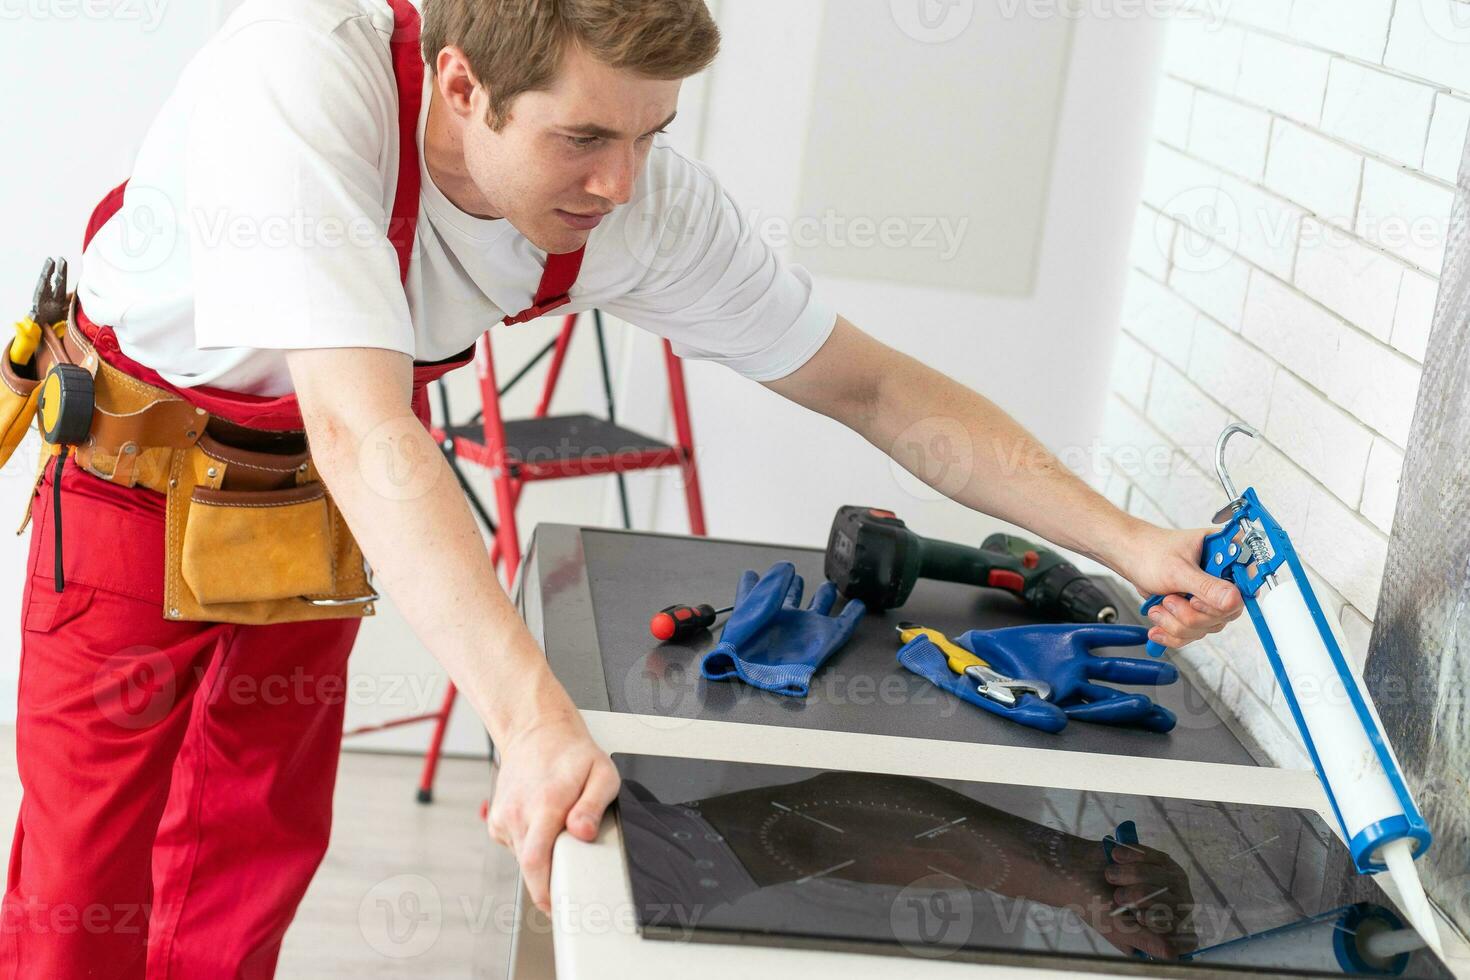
(405, 890)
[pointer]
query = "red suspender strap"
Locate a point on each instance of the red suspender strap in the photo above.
(556, 283)
(408, 67)
(105, 209)
(408, 71)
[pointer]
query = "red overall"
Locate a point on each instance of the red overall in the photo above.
(178, 775)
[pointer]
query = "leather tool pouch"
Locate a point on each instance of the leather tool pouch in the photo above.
(253, 536)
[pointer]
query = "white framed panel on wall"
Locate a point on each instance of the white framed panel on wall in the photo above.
(929, 159)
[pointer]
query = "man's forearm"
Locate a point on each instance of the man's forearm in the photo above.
(966, 447)
(409, 515)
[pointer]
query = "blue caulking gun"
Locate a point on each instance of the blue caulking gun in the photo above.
(1383, 828)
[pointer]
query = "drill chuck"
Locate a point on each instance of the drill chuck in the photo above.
(1081, 601)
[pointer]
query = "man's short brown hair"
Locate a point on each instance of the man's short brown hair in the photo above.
(516, 46)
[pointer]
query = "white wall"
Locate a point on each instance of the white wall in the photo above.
(1285, 265)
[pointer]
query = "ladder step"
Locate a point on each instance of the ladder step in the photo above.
(559, 446)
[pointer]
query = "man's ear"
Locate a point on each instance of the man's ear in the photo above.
(456, 81)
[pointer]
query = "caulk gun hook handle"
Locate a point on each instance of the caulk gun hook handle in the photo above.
(1157, 649)
(1220, 470)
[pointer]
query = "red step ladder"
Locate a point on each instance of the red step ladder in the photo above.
(546, 447)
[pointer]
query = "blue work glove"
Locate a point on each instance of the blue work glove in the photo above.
(770, 642)
(1061, 655)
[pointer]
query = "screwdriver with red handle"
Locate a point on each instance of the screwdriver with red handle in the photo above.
(681, 621)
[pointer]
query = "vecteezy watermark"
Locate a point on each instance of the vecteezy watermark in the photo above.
(139, 686)
(1201, 228)
(664, 688)
(136, 687)
(396, 463)
(938, 914)
(401, 917)
(146, 227)
(1450, 19)
(147, 13)
(31, 916)
(1212, 12)
(933, 458)
(150, 223)
(667, 688)
(937, 457)
(214, 227)
(943, 236)
(667, 229)
(1393, 232)
(938, 21)
(932, 21)
(1191, 706)
(1208, 229)
(933, 916)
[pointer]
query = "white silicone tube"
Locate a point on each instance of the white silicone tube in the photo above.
(1349, 763)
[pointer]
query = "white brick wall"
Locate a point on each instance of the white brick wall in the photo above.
(1404, 214)
(1285, 78)
(1352, 279)
(1230, 134)
(1386, 114)
(1358, 28)
(1285, 271)
(1415, 313)
(1446, 136)
(1428, 41)
(1315, 172)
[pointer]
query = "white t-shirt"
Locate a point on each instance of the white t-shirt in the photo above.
(255, 222)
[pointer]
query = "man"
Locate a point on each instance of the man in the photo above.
(253, 254)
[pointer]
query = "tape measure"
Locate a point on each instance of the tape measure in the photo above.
(68, 397)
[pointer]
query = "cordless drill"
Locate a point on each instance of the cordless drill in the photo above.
(873, 556)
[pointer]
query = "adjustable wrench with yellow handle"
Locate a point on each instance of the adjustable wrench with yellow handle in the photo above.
(989, 683)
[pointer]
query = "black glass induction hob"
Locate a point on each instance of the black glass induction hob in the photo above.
(989, 872)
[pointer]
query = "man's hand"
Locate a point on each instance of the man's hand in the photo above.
(1165, 562)
(551, 776)
(1152, 906)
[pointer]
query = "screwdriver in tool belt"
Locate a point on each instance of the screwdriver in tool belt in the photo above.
(681, 621)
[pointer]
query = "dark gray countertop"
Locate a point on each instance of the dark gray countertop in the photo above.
(588, 594)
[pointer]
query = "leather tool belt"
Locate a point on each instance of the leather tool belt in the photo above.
(251, 534)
